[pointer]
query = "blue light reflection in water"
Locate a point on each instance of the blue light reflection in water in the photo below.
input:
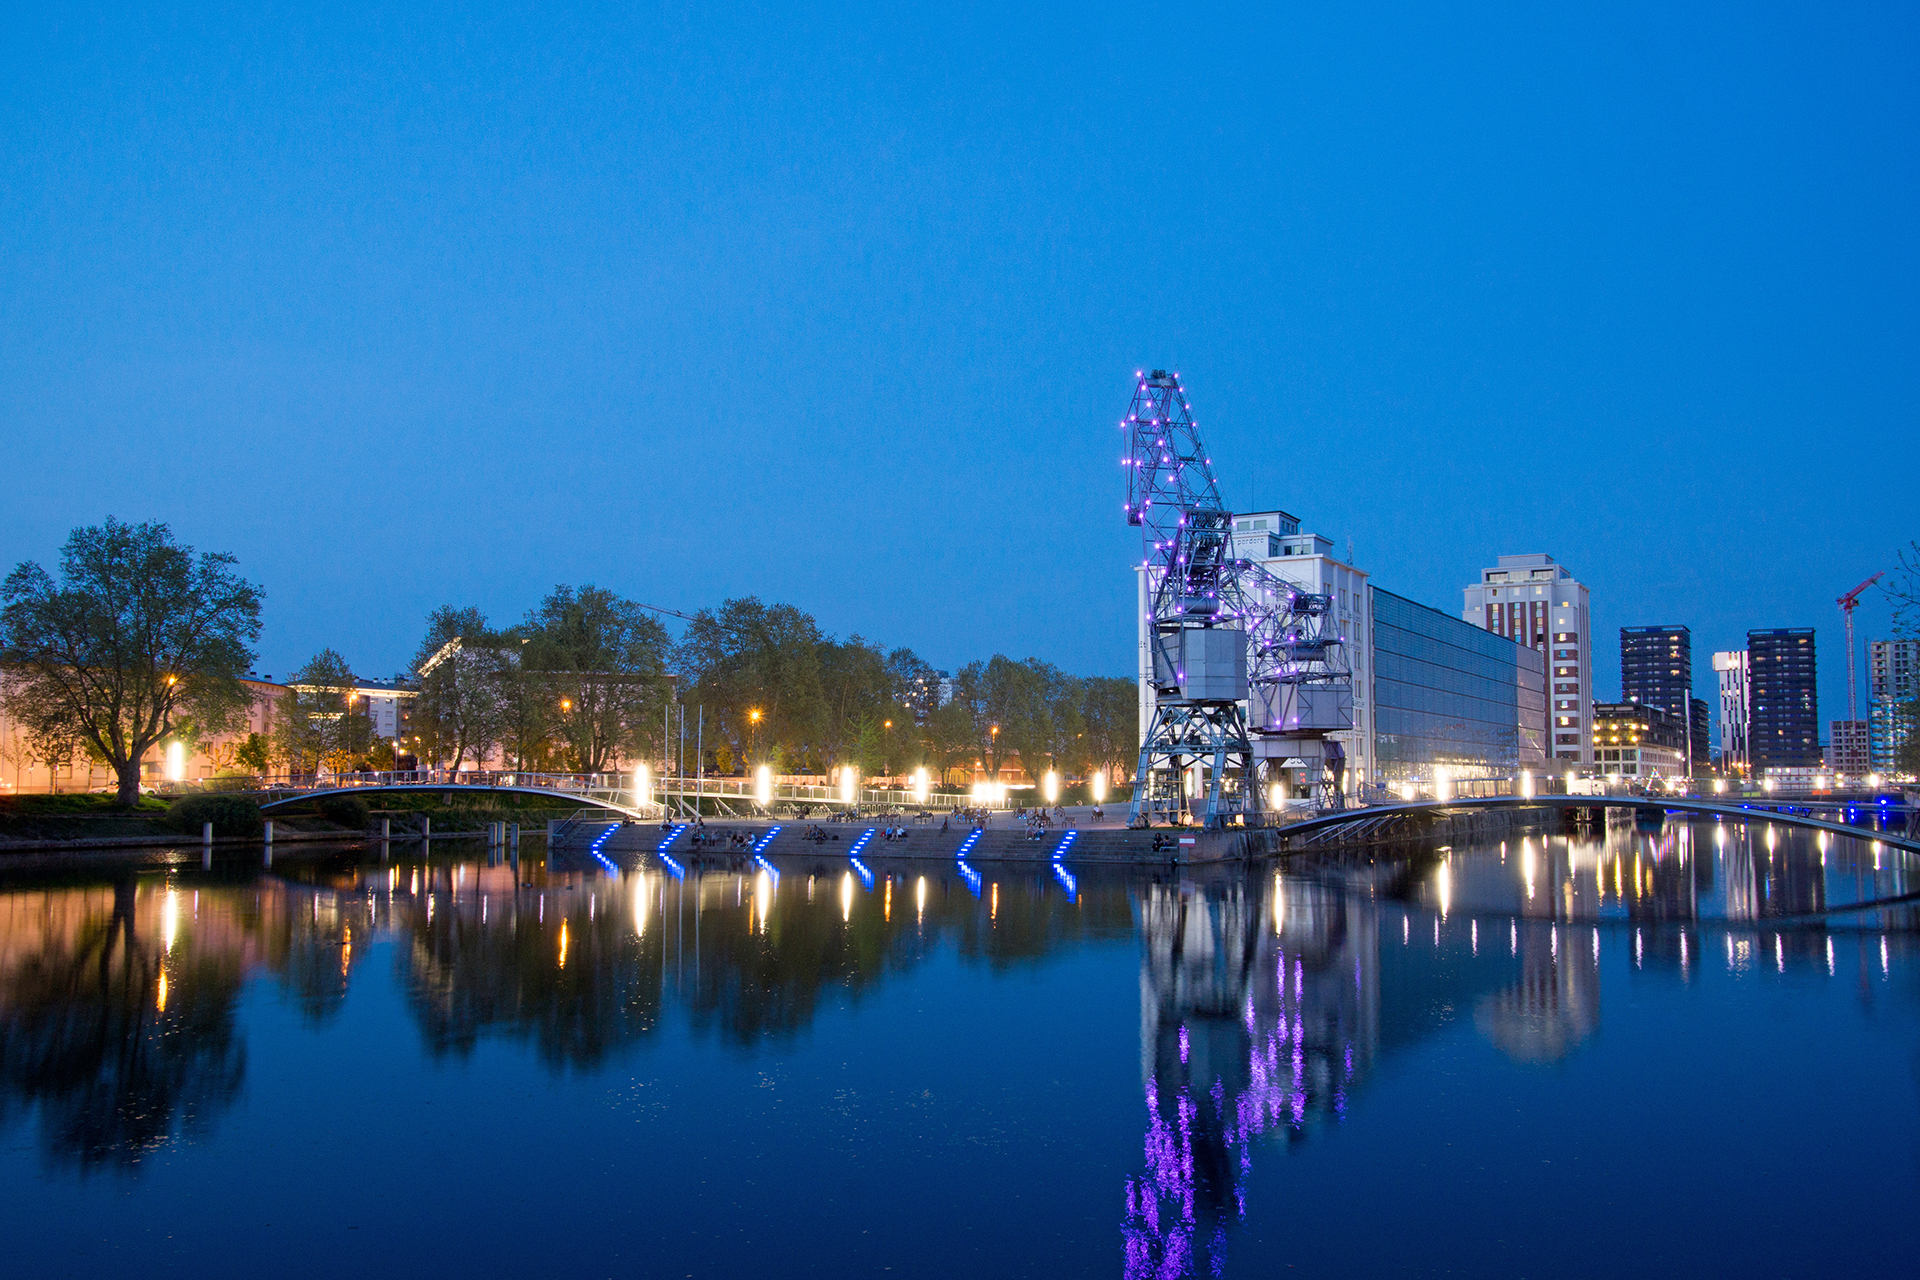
(1683, 1052)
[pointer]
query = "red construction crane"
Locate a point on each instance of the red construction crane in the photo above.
(1848, 603)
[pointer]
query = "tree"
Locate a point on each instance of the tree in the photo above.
(1906, 755)
(321, 721)
(748, 657)
(138, 632)
(462, 706)
(602, 661)
(1903, 591)
(1110, 707)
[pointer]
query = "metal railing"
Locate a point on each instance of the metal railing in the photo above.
(615, 788)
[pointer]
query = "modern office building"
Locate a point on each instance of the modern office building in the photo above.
(1538, 604)
(1733, 670)
(1656, 668)
(1893, 681)
(1273, 540)
(1447, 693)
(1847, 751)
(1783, 702)
(1639, 742)
(1428, 689)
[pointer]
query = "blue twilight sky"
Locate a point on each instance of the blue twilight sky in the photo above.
(840, 305)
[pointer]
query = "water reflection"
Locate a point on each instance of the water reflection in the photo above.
(1268, 1002)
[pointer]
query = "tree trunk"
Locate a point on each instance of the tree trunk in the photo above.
(129, 780)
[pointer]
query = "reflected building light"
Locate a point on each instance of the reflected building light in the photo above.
(1779, 955)
(1526, 865)
(920, 900)
(1829, 957)
(160, 993)
(993, 906)
(640, 896)
(1513, 938)
(763, 897)
(170, 919)
(563, 942)
(846, 897)
(1446, 892)
(1474, 933)
(1883, 955)
(1639, 948)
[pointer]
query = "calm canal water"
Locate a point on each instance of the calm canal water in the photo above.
(1672, 1053)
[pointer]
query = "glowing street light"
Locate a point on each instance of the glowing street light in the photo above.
(1050, 786)
(1526, 785)
(1100, 787)
(642, 787)
(848, 779)
(763, 785)
(922, 786)
(176, 762)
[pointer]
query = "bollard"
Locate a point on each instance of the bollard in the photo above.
(267, 856)
(386, 828)
(206, 833)
(516, 839)
(426, 826)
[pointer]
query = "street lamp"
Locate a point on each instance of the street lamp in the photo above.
(753, 738)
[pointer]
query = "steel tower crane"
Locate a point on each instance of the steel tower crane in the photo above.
(1224, 636)
(1848, 603)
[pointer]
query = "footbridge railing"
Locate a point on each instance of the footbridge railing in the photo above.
(1371, 820)
(613, 791)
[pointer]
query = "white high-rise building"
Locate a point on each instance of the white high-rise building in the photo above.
(1893, 680)
(1735, 676)
(1535, 602)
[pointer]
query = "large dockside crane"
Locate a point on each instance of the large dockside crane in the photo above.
(1246, 673)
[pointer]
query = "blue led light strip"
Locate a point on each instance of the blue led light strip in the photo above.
(671, 837)
(1067, 881)
(765, 840)
(1066, 842)
(605, 861)
(679, 872)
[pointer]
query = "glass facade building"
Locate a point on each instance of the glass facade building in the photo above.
(1451, 694)
(1783, 716)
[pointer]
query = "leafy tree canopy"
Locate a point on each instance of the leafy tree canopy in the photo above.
(136, 633)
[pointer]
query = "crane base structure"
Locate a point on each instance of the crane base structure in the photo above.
(1183, 736)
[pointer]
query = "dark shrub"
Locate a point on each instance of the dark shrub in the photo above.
(230, 815)
(344, 811)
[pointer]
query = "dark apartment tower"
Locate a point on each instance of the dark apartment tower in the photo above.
(1697, 732)
(1783, 723)
(1656, 670)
